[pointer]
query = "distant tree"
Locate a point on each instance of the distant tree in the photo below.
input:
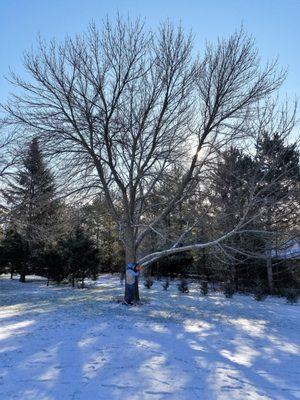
(101, 227)
(31, 202)
(232, 181)
(81, 255)
(279, 180)
(14, 252)
(54, 263)
(271, 175)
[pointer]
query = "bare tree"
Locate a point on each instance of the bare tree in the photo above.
(118, 106)
(7, 162)
(7, 159)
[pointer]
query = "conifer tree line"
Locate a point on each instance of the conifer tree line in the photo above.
(135, 150)
(38, 237)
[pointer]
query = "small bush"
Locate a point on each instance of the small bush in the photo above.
(204, 288)
(291, 296)
(183, 286)
(259, 291)
(148, 282)
(228, 290)
(166, 284)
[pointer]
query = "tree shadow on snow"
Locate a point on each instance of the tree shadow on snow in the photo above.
(57, 343)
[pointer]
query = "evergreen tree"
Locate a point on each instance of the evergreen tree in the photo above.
(13, 251)
(272, 173)
(232, 181)
(31, 199)
(100, 226)
(81, 255)
(55, 263)
(279, 180)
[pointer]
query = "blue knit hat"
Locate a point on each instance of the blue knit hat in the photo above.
(131, 265)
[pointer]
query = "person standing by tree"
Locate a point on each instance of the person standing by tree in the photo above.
(132, 273)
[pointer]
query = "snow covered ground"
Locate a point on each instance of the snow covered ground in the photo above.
(67, 344)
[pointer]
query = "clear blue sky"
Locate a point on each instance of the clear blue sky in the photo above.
(274, 23)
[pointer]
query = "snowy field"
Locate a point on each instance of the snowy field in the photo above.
(69, 344)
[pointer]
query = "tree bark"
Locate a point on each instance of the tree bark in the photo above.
(23, 275)
(11, 271)
(270, 275)
(130, 256)
(235, 277)
(270, 246)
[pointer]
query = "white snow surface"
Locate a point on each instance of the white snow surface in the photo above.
(59, 343)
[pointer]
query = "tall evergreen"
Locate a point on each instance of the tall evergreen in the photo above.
(279, 184)
(31, 199)
(232, 182)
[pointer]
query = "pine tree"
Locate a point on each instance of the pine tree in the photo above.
(55, 263)
(13, 251)
(232, 181)
(31, 199)
(81, 255)
(279, 179)
(100, 226)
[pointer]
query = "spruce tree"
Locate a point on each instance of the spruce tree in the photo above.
(231, 186)
(31, 199)
(81, 256)
(13, 252)
(279, 182)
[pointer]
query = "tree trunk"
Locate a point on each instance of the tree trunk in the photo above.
(270, 246)
(235, 279)
(130, 256)
(136, 290)
(23, 275)
(11, 271)
(158, 272)
(270, 275)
